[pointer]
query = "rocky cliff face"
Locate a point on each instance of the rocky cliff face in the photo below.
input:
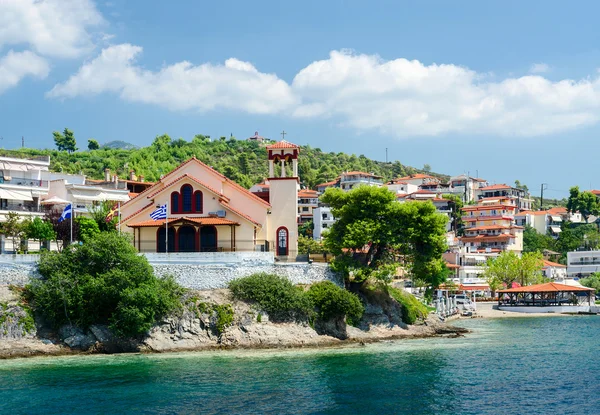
(209, 320)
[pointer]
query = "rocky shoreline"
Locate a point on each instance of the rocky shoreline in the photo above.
(196, 328)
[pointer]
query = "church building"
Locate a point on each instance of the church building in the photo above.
(207, 212)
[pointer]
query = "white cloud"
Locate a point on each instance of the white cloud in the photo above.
(235, 85)
(539, 68)
(57, 28)
(14, 66)
(399, 97)
(407, 98)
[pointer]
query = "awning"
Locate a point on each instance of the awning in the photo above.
(16, 194)
(556, 218)
(555, 229)
(54, 200)
(100, 197)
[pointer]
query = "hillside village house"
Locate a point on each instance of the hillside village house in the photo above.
(519, 197)
(208, 212)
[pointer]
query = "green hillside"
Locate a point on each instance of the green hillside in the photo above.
(241, 160)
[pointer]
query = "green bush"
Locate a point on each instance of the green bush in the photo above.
(412, 308)
(275, 295)
(103, 281)
(224, 316)
(332, 301)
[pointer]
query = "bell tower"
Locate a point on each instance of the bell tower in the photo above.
(283, 197)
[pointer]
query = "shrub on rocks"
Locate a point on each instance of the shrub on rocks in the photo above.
(275, 295)
(103, 281)
(332, 302)
(412, 308)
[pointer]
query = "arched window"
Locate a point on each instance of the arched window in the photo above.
(198, 201)
(186, 197)
(175, 202)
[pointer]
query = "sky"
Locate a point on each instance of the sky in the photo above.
(506, 90)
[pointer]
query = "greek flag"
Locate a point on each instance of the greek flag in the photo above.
(159, 213)
(66, 213)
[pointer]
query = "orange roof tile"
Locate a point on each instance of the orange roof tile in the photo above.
(495, 187)
(488, 207)
(282, 144)
(486, 238)
(203, 220)
(546, 288)
(552, 264)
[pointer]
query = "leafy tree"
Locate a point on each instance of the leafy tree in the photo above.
(306, 229)
(585, 203)
(536, 242)
(65, 141)
(426, 168)
(507, 268)
(103, 281)
(374, 232)
(12, 227)
(93, 144)
(307, 244)
(88, 228)
(593, 281)
(333, 302)
(38, 229)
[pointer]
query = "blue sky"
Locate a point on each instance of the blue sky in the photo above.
(508, 89)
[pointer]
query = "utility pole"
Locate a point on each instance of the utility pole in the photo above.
(544, 186)
(386, 158)
(22, 141)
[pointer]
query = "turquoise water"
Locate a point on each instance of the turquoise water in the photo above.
(506, 366)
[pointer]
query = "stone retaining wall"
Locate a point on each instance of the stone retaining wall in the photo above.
(191, 271)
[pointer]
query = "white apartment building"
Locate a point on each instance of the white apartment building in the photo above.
(519, 197)
(581, 264)
(308, 201)
(84, 195)
(466, 187)
(22, 185)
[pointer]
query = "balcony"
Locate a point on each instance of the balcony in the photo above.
(19, 207)
(23, 181)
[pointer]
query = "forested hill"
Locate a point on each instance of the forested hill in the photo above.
(243, 161)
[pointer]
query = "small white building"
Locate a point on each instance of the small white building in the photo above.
(322, 220)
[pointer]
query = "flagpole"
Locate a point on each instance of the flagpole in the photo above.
(167, 228)
(72, 213)
(119, 217)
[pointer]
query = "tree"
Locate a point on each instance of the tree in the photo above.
(507, 268)
(426, 168)
(88, 228)
(65, 141)
(103, 281)
(533, 241)
(593, 281)
(99, 214)
(93, 144)
(38, 230)
(306, 229)
(374, 232)
(12, 227)
(307, 245)
(585, 203)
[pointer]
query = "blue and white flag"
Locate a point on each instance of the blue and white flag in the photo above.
(66, 213)
(159, 213)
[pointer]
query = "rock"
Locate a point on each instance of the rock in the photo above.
(15, 323)
(69, 330)
(335, 327)
(102, 333)
(80, 341)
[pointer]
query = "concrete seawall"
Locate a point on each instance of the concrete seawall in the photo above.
(200, 271)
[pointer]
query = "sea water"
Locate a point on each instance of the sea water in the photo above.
(504, 366)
